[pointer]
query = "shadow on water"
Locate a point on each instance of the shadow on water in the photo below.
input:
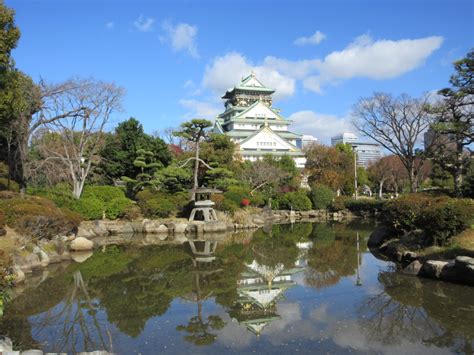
(244, 292)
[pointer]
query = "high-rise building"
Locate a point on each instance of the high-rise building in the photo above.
(366, 152)
(308, 140)
(254, 125)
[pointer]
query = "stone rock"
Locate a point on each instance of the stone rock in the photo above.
(409, 256)
(213, 227)
(32, 352)
(27, 262)
(258, 221)
(379, 236)
(81, 256)
(151, 226)
(81, 244)
(162, 229)
(2, 231)
(84, 233)
(65, 255)
(433, 268)
(6, 344)
(180, 228)
(44, 258)
(464, 261)
(19, 277)
(413, 268)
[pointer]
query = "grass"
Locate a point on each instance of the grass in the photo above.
(463, 244)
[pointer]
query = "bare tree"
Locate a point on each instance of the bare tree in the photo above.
(262, 173)
(396, 123)
(80, 115)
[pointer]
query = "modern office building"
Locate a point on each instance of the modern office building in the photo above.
(366, 152)
(254, 125)
(308, 140)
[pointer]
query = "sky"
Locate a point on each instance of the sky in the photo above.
(175, 59)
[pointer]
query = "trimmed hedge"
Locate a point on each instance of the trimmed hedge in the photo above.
(38, 217)
(89, 208)
(321, 196)
(440, 218)
(159, 204)
(297, 200)
(364, 205)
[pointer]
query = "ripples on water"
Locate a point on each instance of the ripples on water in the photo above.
(306, 288)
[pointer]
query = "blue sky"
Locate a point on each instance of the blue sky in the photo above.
(175, 58)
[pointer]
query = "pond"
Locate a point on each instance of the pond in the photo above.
(288, 288)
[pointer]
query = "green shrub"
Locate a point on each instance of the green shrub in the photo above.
(236, 194)
(229, 206)
(13, 185)
(444, 218)
(89, 208)
(157, 204)
(38, 217)
(363, 206)
(132, 212)
(339, 203)
(116, 208)
(258, 199)
(403, 213)
(103, 193)
(321, 196)
(297, 200)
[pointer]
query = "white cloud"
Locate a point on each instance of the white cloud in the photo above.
(110, 25)
(144, 24)
(181, 37)
(364, 57)
(226, 71)
(383, 59)
(314, 39)
(322, 126)
(200, 109)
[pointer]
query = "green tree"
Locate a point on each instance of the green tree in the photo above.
(194, 131)
(453, 127)
(121, 147)
(148, 166)
(9, 36)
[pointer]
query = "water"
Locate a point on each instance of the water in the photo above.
(303, 288)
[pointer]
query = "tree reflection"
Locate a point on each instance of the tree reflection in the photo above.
(205, 272)
(333, 255)
(409, 308)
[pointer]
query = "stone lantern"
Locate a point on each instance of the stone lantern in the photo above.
(203, 205)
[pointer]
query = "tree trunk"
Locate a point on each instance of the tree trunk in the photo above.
(381, 188)
(458, 170)
(412, 178)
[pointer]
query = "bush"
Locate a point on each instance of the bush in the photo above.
(103, 193)
(89, 208)
(157, 204)
(132, 212)
(245, 202)
(440, 218)
(297, 200)
(13, 185)
(339, 203)
(116, 208)
(445, 218)
(403, 213)
(363, 206)
(236, 194)
(229, 206)
(38, 217)
(321, 196)
(258, 199)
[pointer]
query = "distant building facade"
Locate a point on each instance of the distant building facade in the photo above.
(307, 141)
(366, 152)
(255, 126)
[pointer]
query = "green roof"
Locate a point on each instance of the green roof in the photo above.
(245, 133)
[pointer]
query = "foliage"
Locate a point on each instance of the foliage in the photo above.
(439, 217)
(148, 165)
(89, 208)
(321, 196)
(37, 217)
(236, 194)
(331, 166)
(339, 203)
(364, 206)
(117, 207)
(103, 193)
(9, 185)
(9, 38)
(444, 218)
(220, 178)
(159, 204)
(245, 202)
(174, 179)
(121, 149)
(296, 200)
(218, 150)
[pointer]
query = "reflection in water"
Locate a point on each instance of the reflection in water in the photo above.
(295, 286)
